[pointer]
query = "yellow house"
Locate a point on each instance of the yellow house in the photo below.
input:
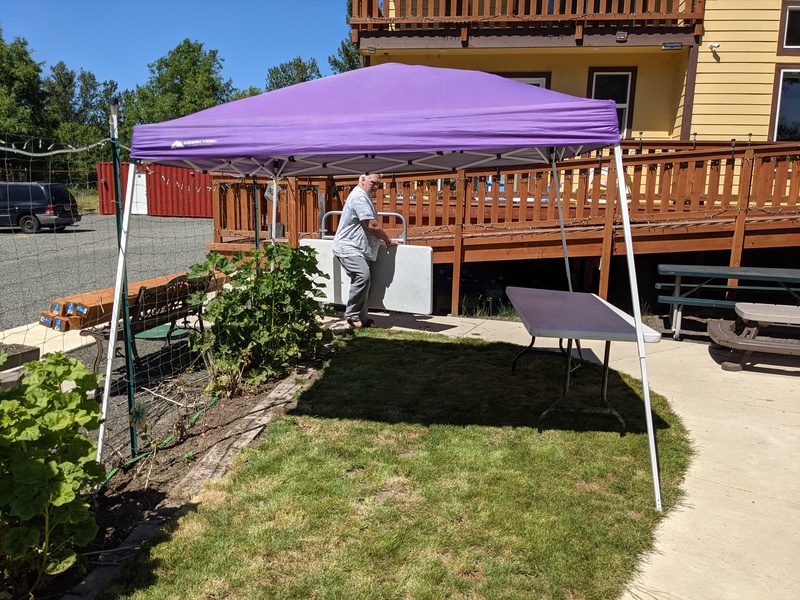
(710, 70)
(688, 76)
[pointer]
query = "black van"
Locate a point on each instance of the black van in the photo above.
(29, 206)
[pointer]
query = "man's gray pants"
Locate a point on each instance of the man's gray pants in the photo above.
(358, 269)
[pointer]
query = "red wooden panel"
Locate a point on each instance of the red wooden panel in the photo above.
(171, 191)
(105, 186)
(178, 192)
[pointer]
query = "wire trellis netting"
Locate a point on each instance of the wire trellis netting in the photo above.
(59, 280)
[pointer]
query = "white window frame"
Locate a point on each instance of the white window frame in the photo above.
(780, 98)
(537, 81)
(625, 106)
(789, 10)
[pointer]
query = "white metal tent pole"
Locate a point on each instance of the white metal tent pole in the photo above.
(637, 317)
(560, 219)
(112, 334)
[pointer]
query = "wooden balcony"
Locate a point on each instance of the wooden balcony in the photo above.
(378, 18)
(681, 199)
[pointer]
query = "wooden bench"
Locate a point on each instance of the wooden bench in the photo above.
(742, 335)
(164, 304)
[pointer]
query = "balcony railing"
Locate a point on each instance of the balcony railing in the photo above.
(664, 188)
(682, 198)
(405, 14)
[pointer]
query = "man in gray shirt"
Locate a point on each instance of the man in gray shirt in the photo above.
(356, 243)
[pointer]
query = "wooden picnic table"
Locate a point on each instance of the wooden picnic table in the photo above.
(709, 274)
(744, 336)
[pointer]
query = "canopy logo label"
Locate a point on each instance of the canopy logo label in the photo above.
(178, 144)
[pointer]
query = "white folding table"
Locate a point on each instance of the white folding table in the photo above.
(575, 316)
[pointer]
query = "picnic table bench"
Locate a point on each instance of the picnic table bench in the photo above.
(742, 335)
(156, 305)
(719, 279)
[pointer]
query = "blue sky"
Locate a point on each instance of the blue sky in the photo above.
(117, 40)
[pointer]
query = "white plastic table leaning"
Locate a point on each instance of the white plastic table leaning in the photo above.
(575, 316)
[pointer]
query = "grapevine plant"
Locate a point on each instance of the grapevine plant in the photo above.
(47, 467)
(265, 321)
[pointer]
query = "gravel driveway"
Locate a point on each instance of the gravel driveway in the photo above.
(36, 269)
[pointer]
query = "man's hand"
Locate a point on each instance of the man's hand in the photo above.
(391, 243)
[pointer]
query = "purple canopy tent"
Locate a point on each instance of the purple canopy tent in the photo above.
(391, 118)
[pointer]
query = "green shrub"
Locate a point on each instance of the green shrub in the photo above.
(265, 321)
(46, 469)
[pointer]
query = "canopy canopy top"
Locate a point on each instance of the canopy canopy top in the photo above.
(390, 118)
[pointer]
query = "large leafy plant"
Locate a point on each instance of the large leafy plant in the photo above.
(265, 321)
(47, 466)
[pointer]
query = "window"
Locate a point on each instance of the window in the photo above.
(617, 85)
(789, 36)
(786, 105)
(539, 79)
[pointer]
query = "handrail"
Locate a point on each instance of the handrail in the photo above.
(371, 13)
(322, 230)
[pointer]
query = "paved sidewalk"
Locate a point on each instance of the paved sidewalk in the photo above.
(44, 338)
(737, 533)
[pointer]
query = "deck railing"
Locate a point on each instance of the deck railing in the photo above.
(662, 187)
(725, 198)
(389, 15)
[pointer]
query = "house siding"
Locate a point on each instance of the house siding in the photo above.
(660, 77)
(730, 92)
(734, 89)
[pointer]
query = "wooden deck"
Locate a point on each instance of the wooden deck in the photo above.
(374, 18)
(681, 199)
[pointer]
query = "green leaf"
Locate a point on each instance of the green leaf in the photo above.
(60, 561)
(29, 501)
(61, 492)
(18, 541)
(58, 420)
(81, 528)
(31, 472)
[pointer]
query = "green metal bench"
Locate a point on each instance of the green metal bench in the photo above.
(687, 294)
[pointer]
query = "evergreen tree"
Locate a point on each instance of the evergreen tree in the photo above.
(22, 97)
(188, 79)
(347, 57)
(289, 73)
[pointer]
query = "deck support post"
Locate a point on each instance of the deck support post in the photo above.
(607, 247)
(742, 204)
(458, 241)
(293, 211)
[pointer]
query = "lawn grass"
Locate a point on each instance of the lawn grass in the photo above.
(413, 469)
